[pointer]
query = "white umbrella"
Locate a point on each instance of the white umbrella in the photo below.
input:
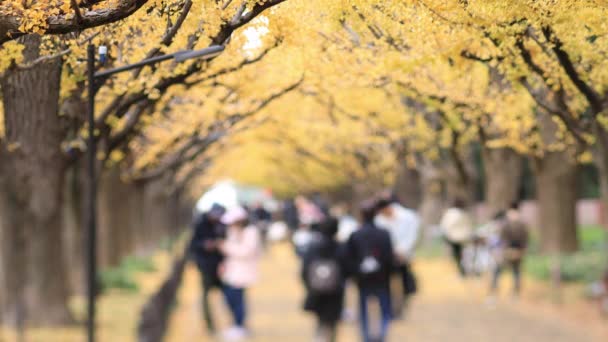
(223, 193)
(230, 194)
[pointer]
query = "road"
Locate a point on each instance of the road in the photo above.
(446, 308)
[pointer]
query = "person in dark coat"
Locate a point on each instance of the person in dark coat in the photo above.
(204, 250)
(369, 252)
(403, 225)
(291, 215)
(260, 214)
(326, 305)
(514, 238)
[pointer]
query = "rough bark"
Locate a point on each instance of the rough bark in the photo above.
(556, 191)
(503, 173)
(31, 186)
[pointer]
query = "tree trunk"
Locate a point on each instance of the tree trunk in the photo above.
(13, 247)
(157, 218)
(556, 191)
(503, 172)
(176, 210)
(31, 189)
(115, 220)
(601, 161)
(432, 194)
(138, 216)
(72, 111)
(408, 187)
(73, 226)
(460, 176)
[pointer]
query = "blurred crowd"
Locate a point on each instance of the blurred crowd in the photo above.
(371, 250)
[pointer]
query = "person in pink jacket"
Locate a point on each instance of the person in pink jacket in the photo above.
(241, 250)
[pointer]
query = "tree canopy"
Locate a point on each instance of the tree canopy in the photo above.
(330, 87)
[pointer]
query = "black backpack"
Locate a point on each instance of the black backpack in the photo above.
(324, 276)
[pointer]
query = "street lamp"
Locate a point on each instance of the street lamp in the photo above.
(96, 80)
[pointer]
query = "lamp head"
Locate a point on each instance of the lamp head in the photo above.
(103, 54)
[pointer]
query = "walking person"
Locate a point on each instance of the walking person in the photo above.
(323, 273)
(370, 256)
(261, 218)
(206, 255)
(513, 242)
(488, 235)
(239, 271)
(403, 225)
(308, 214)
(290, 215)
(457, 227)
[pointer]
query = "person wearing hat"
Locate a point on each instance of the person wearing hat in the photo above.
(204, 251)
(241, 250)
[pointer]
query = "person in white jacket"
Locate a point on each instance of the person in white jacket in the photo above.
(457, 228)
(239, 270)
(403, 225)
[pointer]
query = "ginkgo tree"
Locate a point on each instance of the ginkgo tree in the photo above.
(534, 46)
(43, 45)
(19, 18)
(339, 94)
(515, 77)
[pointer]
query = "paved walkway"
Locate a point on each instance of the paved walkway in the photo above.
(446, 309)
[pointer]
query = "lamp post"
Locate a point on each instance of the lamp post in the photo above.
(96, 80)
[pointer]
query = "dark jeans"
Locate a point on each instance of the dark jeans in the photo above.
(384, 299)
(515, 266)
(235, 298)
(326, 331)
(457, 248)
(210, 281)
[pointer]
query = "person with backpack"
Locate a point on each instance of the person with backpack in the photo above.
(369, 253)
(403, 225)
(309, 215)
(206, 255)
(323, 274)
(513, 243)
(239, 271)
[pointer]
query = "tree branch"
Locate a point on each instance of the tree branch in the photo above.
(588, 92)
(562, 113)
(61, 24)
(197, 145)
